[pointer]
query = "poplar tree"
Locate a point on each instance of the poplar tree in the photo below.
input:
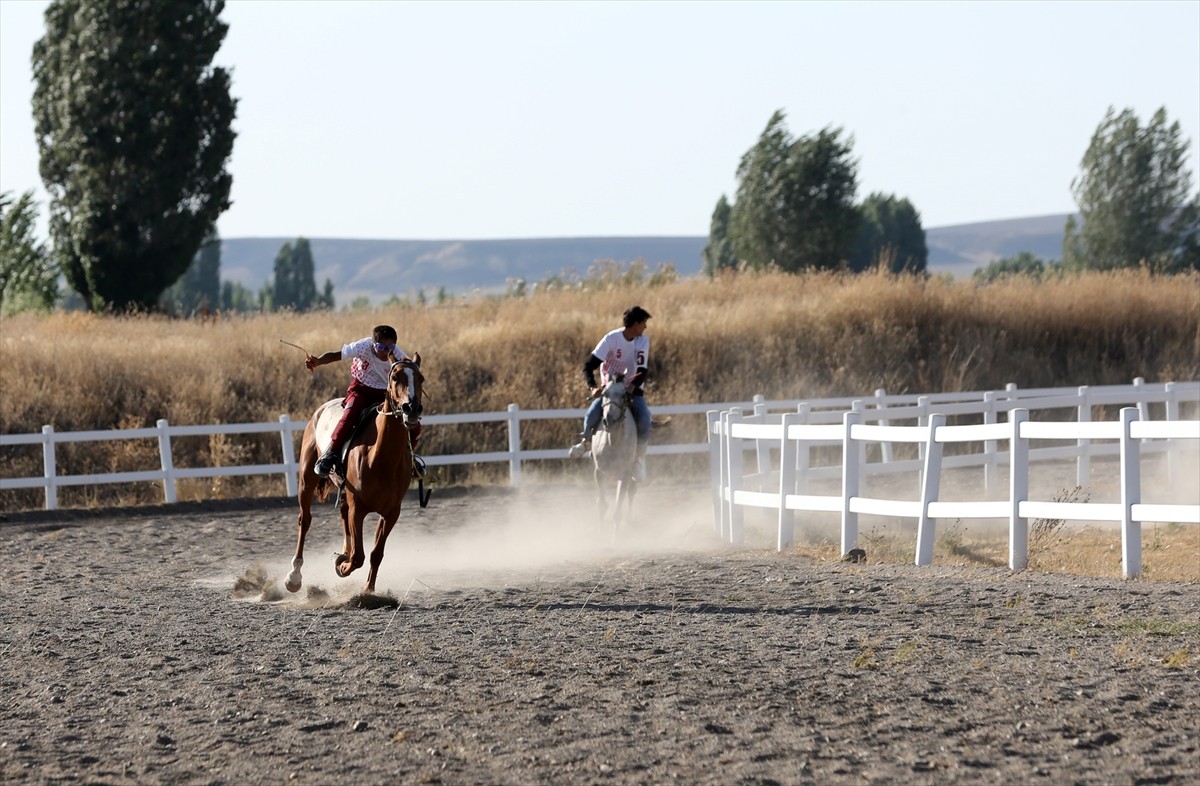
(28, 279)
(200, 286)
(1135, 199)
(891, 234)
(795, 200)
(294, 286)
(718, 254)
(134, 129)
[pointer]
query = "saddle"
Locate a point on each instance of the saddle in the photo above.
(328, 416)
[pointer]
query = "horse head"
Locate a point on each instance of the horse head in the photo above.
(616, 400)
(405, 388)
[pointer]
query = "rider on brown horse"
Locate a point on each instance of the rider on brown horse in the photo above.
(371, 358)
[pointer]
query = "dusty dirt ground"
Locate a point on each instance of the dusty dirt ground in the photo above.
(513, 643)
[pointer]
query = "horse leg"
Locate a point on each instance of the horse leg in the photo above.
(352, 524)
(347, 533)
(383, 528)
(294, 579)
(601, 502)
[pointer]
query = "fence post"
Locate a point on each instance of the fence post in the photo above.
(1018, 491)
(1010, 393)
(787, 484)
(762, 448)
(852, 460)
(1173, 451)
(713, 418)
(803, 452)
(167, 461)
(1131, 494)
(930, 488)
(734, 458)
(989, 446)
(49, 469)
(514, 445)
(857, 405)
(723, 436)
(291, 471)
(1083, 465)
(881, 403)
(922, 420)
(1143, 406)
(725, 525)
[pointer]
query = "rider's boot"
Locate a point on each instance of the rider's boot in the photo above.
(580, 448)
(325, 463)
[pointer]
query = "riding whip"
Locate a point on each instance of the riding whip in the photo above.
(307, 355)
(297, 346)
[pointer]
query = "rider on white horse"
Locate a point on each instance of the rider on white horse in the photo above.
(624, 351)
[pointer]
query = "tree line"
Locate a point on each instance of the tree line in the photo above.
(134, 133)
(794, 208)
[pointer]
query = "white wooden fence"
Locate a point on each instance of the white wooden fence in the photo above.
(289, 429)
(788, 439)
(810, 423)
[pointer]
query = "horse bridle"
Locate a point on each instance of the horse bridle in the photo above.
(623, 403)
(411, 410)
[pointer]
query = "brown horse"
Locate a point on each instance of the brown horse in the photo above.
(379, 468)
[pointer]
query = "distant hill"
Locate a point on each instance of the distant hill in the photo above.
(962, 248)
(378, 269)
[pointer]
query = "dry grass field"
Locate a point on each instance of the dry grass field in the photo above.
(814, 335)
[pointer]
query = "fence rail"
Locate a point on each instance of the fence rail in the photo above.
(789, 438)
(820, 424)
(288, 429)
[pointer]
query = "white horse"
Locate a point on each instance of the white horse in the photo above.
(614, 452)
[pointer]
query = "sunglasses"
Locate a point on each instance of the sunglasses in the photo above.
(385, 347)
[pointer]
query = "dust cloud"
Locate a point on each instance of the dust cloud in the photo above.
(487, 538)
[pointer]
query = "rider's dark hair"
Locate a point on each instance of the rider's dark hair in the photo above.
(384, 333)
(635, 315)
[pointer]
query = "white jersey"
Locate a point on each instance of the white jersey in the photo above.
(619, 355)
(365, 366)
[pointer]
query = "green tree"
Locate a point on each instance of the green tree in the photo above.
(891, 234)
(134, 129)
(795, 200)
(1135, 200)
(294, 285)
(200, 286)
(718, 254)
(28, 279)
(1023, 264)
(238, 298)
(326, 299)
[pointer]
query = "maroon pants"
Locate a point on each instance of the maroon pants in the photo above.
(358, 398)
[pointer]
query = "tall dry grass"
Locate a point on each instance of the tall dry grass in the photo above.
(814, 335)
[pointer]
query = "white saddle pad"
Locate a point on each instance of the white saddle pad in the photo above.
(327, 417)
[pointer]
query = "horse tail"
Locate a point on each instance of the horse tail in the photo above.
(322, 489)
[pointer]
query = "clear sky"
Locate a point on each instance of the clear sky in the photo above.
(465, 120)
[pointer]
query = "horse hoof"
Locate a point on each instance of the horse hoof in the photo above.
(293, 582)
